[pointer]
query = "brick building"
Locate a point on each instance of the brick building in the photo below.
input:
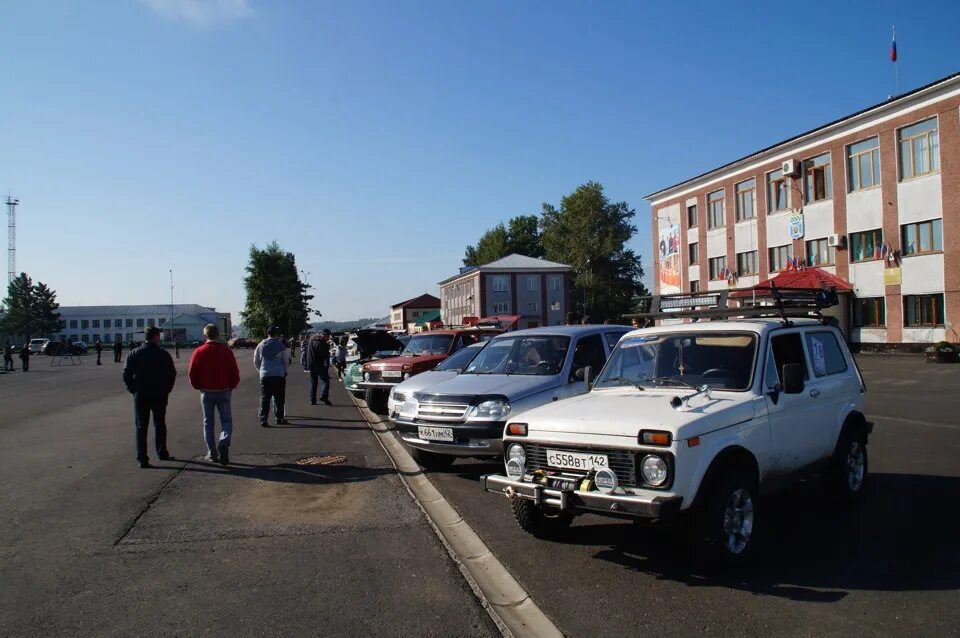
(873, 198)
(408, 312)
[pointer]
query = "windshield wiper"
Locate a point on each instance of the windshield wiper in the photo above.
(673, 381)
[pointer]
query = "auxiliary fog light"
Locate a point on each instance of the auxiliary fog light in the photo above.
(517, 452)
(515, 469)
(654, 470)
(406, 375)
(605, 480)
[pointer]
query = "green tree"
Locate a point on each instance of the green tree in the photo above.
(31, 310)
(520, 235)
(275, 294)
(590, 233)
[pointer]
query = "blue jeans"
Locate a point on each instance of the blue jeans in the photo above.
(323, 374)
(219, 401)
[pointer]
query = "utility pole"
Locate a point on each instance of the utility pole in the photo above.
(11, 237)
(170, 336)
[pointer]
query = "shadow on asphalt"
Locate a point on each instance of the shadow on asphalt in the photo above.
(292, 473)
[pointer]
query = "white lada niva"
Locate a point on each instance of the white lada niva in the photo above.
(694, 421)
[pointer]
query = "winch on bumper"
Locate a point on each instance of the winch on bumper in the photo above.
(565, 496)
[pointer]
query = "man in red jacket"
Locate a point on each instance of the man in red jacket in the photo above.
(213, 370)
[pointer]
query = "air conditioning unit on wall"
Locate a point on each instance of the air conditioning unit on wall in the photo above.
(837, 241)
(790, 168)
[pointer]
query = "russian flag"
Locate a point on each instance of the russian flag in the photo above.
(893, 47)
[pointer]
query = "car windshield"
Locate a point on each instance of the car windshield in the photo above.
(720, 360)
(459, 359)
(427, 344)
(521, 355)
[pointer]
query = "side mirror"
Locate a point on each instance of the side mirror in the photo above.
(579, 374)
(588, 377)
(792, 378)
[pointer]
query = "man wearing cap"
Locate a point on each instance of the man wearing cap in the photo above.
(318, 364)
(271, 359)
(149, 375)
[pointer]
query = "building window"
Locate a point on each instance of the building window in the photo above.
(555, 283)
(922, 310)
(118, 323)
(747, 263)
(819, 253)
(780, 256)
(922, 237)
(865, 246)
(96, 323)
(96, 336)
(718, 267)
(139, 323)
(500, 283)
(533, 283)
(129, 323)
(162, 321)
(817, 178)
(695, 285)
(692, 216)
(694, 251)
(151, 323)
(84, 323)
(85, 338)
(777, 193)
(746, 200)
(73, 324)
(869, 313)
(533, 306)
(715, 209)
(500, 307)
(863, 164)
(919, 149)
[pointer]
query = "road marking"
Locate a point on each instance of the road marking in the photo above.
(929, 424)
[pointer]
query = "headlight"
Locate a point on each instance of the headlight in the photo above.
(654, 469)
(516, 452)
(493, 410)
(399, 397)
(366, 376)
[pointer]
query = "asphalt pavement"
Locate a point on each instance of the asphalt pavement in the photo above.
(888, 567)
(309, 532)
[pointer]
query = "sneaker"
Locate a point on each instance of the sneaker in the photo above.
(264, 424)
(212, 458)
(281, 421)
(144, 464)
(328, 402)
(165, 457)
(224, 453)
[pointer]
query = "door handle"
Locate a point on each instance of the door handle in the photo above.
(814, 393)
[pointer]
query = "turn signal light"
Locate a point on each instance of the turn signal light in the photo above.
(517, 429)
(655, 437)
(694, 442)
(407, 366)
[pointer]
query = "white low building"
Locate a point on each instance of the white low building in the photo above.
(127, 323)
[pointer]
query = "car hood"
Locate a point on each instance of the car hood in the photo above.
(624, 412)
(372, 341)
(397, 363)
(513, 386)
(425, 381)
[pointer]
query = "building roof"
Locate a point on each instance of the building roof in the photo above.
(423, 301)
(428, 317)
(809, 278)
(158, 310)
(511, 263)
(886, 104)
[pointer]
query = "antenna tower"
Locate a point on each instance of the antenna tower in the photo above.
(12, 204)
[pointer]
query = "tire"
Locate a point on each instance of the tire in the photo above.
(357, 394)
(537, 522)
(376, 400)
(432, 460)
(846, 476)
(726, 523)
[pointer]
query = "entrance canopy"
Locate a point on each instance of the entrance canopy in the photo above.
(808, 278)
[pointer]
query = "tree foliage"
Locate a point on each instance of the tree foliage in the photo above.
(31, 309)
(590, 233)
(520, 235)
(275, 294)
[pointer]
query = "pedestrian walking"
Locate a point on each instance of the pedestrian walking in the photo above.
(318, 364)
(271, 359)
(176, 345)
(98, 346)
(341, 360)
(213, 370)
(303, 352)
(7, 356)
(117, 351)
(149, 375)
(25, 358)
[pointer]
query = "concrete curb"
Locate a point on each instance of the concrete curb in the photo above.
(502, 596)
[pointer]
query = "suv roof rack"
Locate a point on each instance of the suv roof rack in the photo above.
(770, 301)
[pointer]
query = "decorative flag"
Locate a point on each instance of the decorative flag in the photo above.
(876, 251)
(883, 251)
(893, 47)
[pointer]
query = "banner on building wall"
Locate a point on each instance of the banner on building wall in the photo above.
(892, 277)
(670, 260)
(796, 226)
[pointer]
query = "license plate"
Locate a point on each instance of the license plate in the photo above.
(391, 374)
(430, 433)
(576, 460)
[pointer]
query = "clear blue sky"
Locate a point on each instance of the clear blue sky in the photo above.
(376, 139)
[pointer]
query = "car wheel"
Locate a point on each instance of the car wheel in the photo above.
(376, 401)
(538, 521)
(727, 525)
(432, 460)
(847, 474)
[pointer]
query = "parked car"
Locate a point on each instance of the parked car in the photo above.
(78, 347)
(370, 346)
(36, 345)
(515, 372)
(59, 347)
(423, 352)
(447, 369)
(241, 342)
(691, 422)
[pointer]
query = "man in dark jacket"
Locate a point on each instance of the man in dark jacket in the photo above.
(117, 351)
(149, 375)
(25, 357)
(318, 364)
(98, 346)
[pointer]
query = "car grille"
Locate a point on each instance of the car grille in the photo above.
(442, 412)
(623, 464)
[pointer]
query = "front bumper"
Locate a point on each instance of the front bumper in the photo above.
(470, 439)
(659, 507)
(378, 385)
